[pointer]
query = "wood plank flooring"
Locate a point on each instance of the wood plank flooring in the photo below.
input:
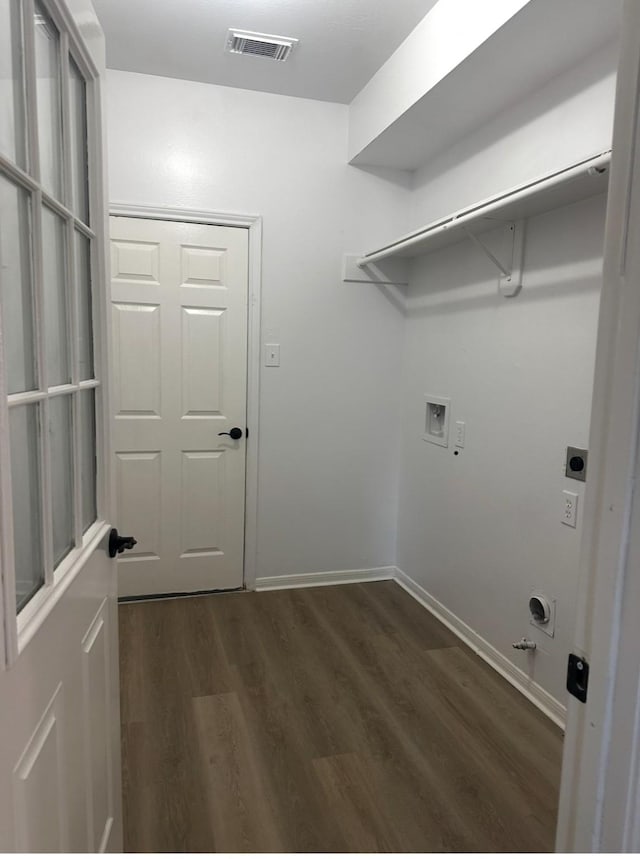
(325, 719)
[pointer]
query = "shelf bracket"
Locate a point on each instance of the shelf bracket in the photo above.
(388, 272)
(510, 281)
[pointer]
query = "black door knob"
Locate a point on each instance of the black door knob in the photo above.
(118, 544)
(234, 432)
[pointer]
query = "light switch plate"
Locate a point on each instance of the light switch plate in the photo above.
(271, 354)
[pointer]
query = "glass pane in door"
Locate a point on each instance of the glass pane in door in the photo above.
(78, 139)
(47, 46)
(85, 326)
(12, 125)
(55, 299)
(87, 407)
(15, 287)
(60, 446)
(27, 516)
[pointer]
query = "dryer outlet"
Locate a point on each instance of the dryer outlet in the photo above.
(542, 612)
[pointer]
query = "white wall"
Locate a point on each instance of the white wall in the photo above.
(329, 414)
(477, 530)
(566, 121)
(480, 530)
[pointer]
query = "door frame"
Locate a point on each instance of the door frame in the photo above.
(253, 224)
(600, 792)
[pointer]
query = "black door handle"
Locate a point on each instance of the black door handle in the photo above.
(234, 432)
(118, 544)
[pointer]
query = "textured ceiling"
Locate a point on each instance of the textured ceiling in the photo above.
(342, 42)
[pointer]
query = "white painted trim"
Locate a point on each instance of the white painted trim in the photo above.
(65, 21)
(43, 602)
(514, 675)
(99, 622)
(103, 847)
(189, 216)
(8, 640)
(18, 630)
(51, 718)
(598, 809)
(254, 352)
(252, 223)
(314, 580)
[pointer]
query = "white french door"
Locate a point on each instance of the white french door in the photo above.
(179, 320)
(59, 701)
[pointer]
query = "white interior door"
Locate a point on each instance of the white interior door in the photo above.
(179, 320)
(59, 693)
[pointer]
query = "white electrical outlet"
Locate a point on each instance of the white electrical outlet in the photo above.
(570, 508)
(459, 433)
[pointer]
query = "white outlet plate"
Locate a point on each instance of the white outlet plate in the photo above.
(460, 431)
(569, 508)
(441, 437)
(272, 355)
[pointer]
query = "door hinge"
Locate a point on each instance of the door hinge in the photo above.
(578, 677)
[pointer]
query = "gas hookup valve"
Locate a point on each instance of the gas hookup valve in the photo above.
(524, 644)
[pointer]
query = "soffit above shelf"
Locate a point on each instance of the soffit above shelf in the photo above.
(543, 40)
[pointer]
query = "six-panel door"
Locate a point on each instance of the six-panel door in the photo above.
(179, 322)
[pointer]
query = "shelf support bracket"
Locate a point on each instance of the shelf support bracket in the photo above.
(510, 281)
(494, 259)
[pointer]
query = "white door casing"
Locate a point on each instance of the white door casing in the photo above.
(179, 318)
(600, 791)
(59, 690)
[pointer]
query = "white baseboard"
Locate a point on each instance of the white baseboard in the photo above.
(514, 675)
(524, 684)
(313, 580)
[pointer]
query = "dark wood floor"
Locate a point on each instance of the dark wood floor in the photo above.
(326, 719)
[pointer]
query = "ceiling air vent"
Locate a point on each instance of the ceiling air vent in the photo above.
(260, 44)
